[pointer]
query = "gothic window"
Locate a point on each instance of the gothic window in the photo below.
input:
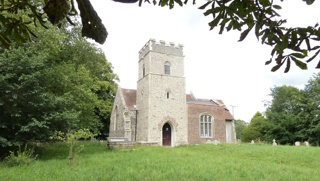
(116, 120)
(167, 68)
(206, 126)
(143, 70)
(168, 95)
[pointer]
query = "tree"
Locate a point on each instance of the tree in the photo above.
(239, 126)
(260, 16)
(19, 18)
(256, 128)
(52, 84)
(312, 109)
(71, 138)
(285, 120)
(293, 114)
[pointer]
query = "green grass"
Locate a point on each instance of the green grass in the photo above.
(202, 162)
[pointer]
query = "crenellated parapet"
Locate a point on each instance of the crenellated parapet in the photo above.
(161, 47)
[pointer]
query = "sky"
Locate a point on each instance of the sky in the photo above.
(216, 66)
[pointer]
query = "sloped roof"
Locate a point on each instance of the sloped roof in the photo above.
(130, 95)
(214, 102)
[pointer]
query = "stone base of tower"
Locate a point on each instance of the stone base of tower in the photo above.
(149, 143)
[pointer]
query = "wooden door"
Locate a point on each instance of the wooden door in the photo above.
(166, 135)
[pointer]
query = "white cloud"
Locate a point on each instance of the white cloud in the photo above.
(216, 66)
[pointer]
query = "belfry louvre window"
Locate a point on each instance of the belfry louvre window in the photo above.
(143, 71)
(206, 126)
(167, 68)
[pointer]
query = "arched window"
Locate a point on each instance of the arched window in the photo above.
(116, 120)
(167, 68)
(206, 126)
(168, 95)
(143, 70)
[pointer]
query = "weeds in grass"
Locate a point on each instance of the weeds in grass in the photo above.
(21, 157)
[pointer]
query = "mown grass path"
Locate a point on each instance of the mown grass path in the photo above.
(202, 162)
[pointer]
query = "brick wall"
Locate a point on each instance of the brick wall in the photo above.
(219, 125)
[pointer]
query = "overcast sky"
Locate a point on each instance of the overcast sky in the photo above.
(216, 66)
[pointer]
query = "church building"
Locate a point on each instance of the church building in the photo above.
(159, 112)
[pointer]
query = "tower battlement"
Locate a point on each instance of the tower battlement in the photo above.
(161, 47)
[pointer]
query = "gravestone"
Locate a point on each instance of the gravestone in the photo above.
(274, 143)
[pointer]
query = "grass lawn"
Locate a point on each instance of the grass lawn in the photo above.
(202, 162)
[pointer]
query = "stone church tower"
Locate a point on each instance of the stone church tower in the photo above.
(159, 112)
(161, 99)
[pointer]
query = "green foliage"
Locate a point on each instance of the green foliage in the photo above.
(294, 114)
(72, 137)
(311, 110)
(293, 44)
(285, 121)
(289, 44)
(239, 126)
(255, 130)
(58, 81)
(18, 19)
(21, 157)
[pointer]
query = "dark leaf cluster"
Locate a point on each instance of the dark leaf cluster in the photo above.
(20, 18)
(295, 44)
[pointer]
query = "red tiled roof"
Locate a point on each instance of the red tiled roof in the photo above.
(228, 115)
(131, 94)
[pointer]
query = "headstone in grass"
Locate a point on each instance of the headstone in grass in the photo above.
(274, 143)
(252, 142)
(306, 143)
(215, 142)
(93, 139)
(297, 143)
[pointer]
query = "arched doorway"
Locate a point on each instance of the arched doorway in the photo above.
(166, 135)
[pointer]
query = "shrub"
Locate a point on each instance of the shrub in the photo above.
(21, 157)
(71, 138)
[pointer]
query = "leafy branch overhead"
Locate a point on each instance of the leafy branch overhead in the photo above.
(294, 44)
(17, 16)
(289, 44)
